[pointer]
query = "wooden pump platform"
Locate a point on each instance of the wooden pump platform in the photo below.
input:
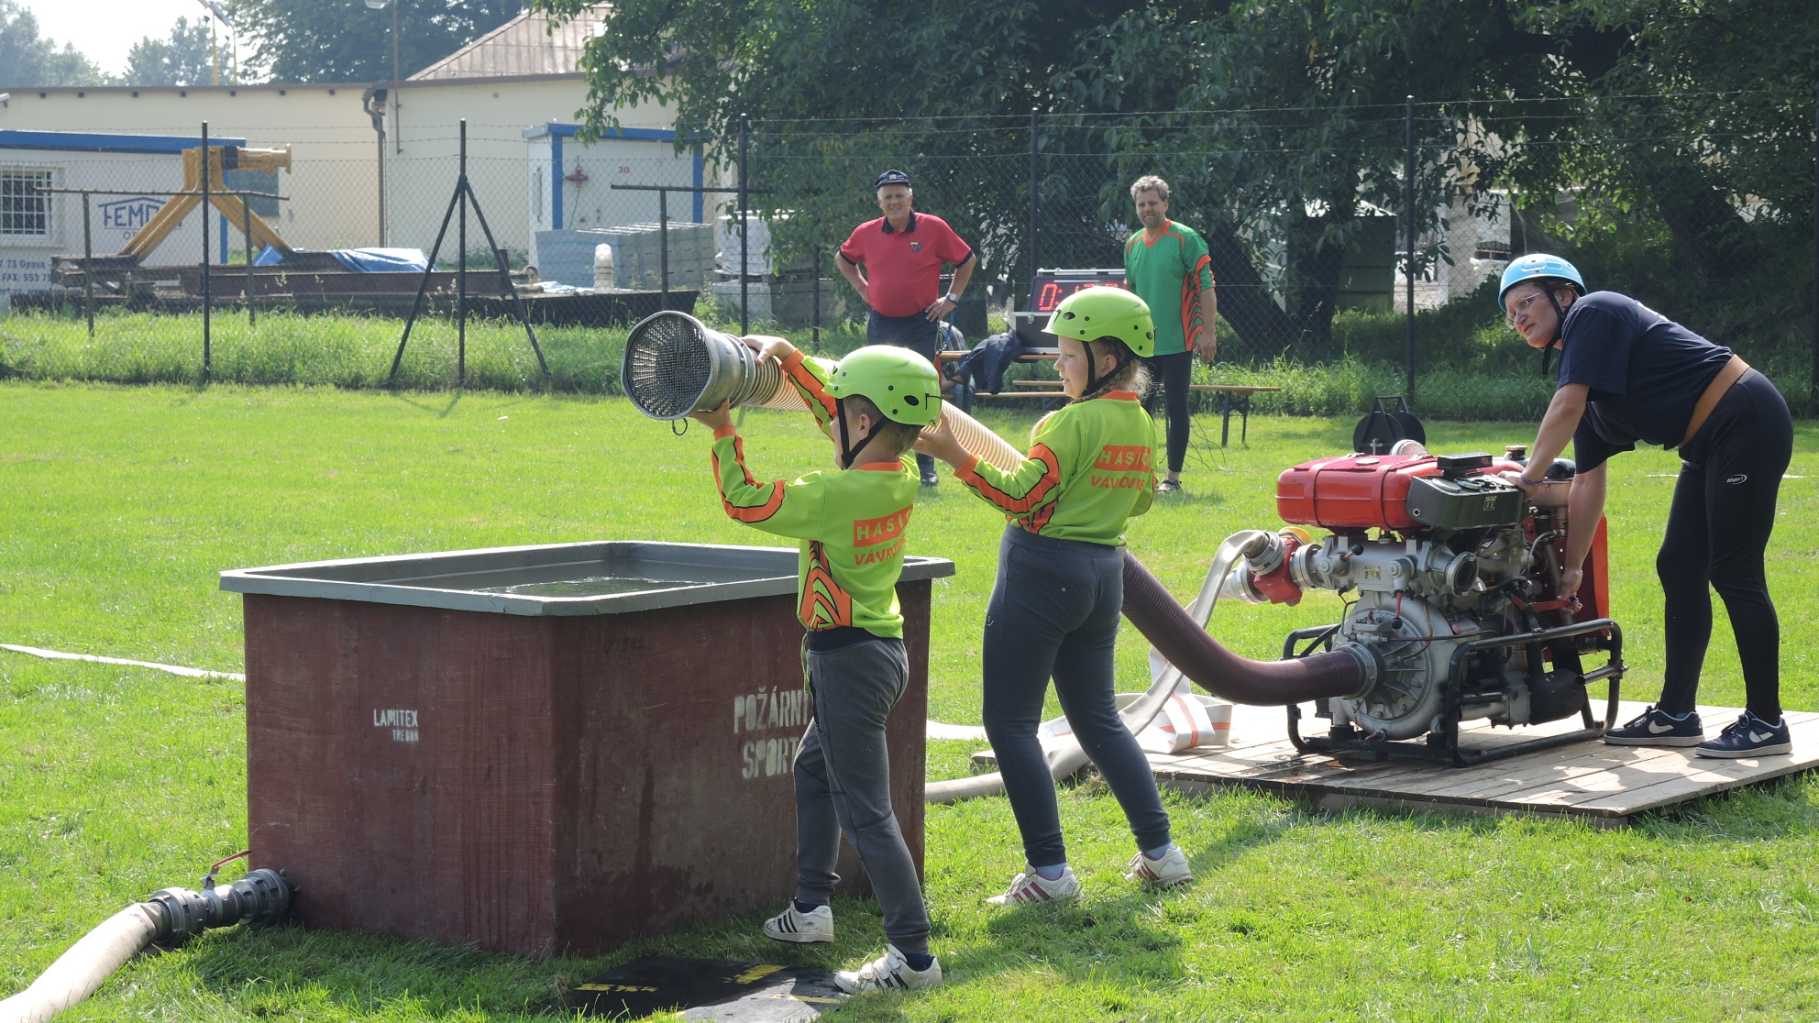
(1604, 785)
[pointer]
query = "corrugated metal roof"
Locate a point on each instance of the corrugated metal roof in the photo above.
(525, 45)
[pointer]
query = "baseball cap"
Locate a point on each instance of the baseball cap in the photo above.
(891, 177)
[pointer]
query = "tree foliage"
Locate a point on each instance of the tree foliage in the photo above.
(1283, 124)
(345, 41)
(186, 57)
(28, 59)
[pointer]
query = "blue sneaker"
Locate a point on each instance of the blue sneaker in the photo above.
(1655, 727)
(1749, 736)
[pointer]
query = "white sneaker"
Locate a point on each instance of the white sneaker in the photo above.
(802, 928)
(889, 972)
(1030, 886)
(1167, 872)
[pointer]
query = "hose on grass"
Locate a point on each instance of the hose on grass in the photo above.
(170, 917)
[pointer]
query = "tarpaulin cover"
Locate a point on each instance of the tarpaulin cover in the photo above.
(373, 260)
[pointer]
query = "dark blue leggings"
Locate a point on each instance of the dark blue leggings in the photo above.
(1717, 534)
(918, 334)
(1054, 612)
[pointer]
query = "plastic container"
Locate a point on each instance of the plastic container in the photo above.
(603, 266)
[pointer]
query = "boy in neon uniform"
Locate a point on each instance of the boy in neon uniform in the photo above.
(851, 523)
(1055, 608)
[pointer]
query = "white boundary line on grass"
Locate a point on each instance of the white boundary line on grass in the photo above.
(936, 729)
(173, 669)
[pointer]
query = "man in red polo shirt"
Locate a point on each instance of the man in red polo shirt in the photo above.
(901, 254)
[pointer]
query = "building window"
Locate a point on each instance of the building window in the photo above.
(25, 212)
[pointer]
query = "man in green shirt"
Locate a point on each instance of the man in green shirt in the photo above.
(1167, 265)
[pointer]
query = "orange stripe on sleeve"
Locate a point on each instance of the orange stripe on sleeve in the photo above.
(745, 513)
(808, 384)
(760, 512)
(1050, 478)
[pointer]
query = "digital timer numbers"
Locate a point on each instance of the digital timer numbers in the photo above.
(1050, 292)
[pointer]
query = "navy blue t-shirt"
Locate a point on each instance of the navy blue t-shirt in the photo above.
(1644, 373)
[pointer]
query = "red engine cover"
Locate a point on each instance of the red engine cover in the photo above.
(1351, 492)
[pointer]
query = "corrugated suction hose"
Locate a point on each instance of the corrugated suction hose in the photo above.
(675, 364)
(1186, 644)
(170, 917)
(1187, 651)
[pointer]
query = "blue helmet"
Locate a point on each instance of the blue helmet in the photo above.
(1538, 266)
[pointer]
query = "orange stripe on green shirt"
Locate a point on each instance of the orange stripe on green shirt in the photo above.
(749, 512)
(809, 385)
(1011, 503)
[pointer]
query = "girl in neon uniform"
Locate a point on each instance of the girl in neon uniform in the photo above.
(1054, 612)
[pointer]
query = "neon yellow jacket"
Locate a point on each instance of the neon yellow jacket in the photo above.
(851, 523)
(1090, 467)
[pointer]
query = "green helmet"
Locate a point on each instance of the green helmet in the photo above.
(901, 383)
(1092, 313)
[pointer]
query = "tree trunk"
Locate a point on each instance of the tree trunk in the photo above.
(1710, 238)
(1245, 300)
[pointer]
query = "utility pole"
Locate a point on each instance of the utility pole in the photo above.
(391, 96)
(214, 45)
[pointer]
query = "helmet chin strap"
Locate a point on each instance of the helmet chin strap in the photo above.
(849, 450)
(1093, 380)
(1547, 353)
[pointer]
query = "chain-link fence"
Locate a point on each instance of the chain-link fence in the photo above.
(1308, 213)
(305, 219)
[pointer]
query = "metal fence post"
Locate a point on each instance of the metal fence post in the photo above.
(246, 228)
(205, 251)
(1813, 394)
(461, 268)
(662, 243)
(814, 282)
(1408, 184)
(88, 273)
(745, 134)
(1035, 207)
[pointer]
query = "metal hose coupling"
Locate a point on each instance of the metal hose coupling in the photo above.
(262, 896)
(675, 364)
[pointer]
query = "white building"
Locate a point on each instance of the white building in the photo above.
(133, 176)
(517, 84)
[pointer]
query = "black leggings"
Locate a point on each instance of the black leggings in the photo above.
(1717, 533)
(1171, 375)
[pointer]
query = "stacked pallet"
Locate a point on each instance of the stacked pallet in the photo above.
(567, 256)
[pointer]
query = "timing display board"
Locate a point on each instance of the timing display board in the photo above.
(1047, 290)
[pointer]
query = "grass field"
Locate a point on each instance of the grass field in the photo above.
(119, 504)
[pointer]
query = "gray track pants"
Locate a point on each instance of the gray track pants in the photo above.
(843, 776)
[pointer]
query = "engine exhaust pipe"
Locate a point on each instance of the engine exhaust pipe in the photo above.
(170, 917)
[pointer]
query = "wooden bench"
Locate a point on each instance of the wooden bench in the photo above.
(1227, 398)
